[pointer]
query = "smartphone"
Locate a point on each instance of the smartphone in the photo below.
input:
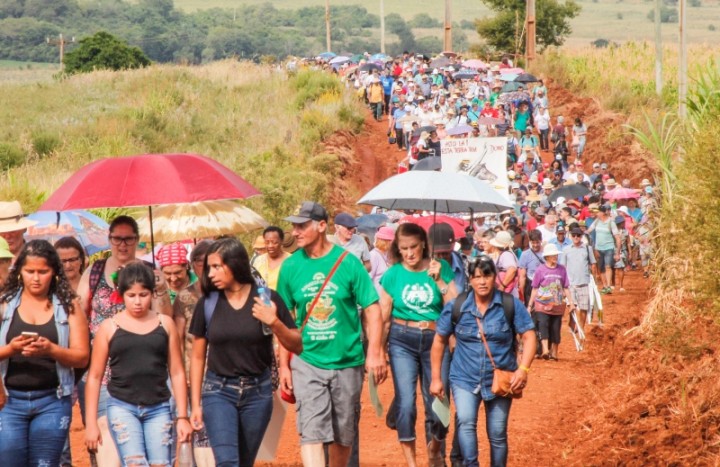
(34, 335)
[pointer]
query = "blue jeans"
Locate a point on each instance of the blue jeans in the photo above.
(142, 434)
(497, 411)
(410, 359)
(33, 428)
(236, 412)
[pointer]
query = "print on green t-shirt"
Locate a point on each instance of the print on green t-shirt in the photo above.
(416, 297)
(331, 338)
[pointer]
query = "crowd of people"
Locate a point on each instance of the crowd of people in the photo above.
(191, 348)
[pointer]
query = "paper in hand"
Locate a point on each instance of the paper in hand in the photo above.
(441, 407)
(374, 399)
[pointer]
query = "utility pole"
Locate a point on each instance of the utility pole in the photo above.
(382, 26)
(530, 44)
(658, 49)
(448, 45)
(682, 81)
(60, 42)
(327, 24)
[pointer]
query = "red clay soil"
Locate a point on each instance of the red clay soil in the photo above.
(566, 403)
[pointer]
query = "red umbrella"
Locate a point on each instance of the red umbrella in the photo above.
(621, 193)
(147, 180)
(458, 225)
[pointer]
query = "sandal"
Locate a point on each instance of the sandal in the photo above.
(545, 356)
(553, 358)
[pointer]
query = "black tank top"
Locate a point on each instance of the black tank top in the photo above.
(138, 366)
(32, 373)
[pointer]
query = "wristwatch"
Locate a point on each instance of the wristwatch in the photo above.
(444, 290)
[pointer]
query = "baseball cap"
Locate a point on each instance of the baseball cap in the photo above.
(442, 237)
(596, 165)
(346, 220)
(603, 166)
(560, 228)
(576, 231)
(308, 211)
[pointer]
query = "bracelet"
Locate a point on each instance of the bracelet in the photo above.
(525, 369)
(177, 419)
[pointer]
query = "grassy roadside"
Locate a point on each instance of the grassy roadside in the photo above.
(266, 126)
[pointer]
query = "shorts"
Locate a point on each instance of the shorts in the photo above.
(328, 402)
(581, 296)
(606, 259)
(549, 326)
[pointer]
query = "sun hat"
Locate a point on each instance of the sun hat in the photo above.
(596, 165)
(645, 182)
(308, 211)
(547, 184)
(533, 178)
(385, 233)
(441, 237)
(624, 210)
(5, 252)
(619, 220)
(611, 182)
(603, 165)
(289, 243)
(12, 217)
(503, 239)
(175, 253)
(550, 250)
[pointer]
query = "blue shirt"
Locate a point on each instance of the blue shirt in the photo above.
(560, 246)
(470, 367)
(529, 260)
(387, 84)
(458, 267)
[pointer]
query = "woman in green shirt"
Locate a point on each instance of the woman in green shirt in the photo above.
(414, 291)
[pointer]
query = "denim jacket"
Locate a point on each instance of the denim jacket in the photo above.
(471, 368)
(66, 375)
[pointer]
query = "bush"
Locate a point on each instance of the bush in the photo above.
(695, 3)
(10, 156)
(311, 85)
(104, 51)
(45, 143)
(667, 15)
(600, 43)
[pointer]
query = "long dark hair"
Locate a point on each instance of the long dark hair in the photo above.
(136, 272)
(234, 256)
(59, 285)
(409, 229)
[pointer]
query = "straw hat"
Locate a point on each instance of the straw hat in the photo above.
(12, 218)
(645, 182)
(547, 184)
(610, 182)
(259, 243)
(289, 243)
(503, 239)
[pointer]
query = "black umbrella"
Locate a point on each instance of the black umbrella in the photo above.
(511, 86)
(569, 192)
(525, 78)
(429, 163)
(370, 67)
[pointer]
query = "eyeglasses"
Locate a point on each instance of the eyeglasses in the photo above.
(70, 260)
(576, 235)
(117, 241)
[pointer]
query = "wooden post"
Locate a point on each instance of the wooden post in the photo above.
(530, 44)
(327, 25)
(60, 42)
(448, 45)
(682, 81)
(382, 26)
(658, 49)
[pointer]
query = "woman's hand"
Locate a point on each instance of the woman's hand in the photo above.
(93, 438)
(40, 347)
(19, 343)
(184, 430)
(265, 313)
(196, 419)
(519, 380)
(437, 388)
(3, 397)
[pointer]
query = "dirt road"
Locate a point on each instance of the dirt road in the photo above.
(543, 422)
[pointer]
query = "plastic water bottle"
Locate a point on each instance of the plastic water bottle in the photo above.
(265, 297)
(185, 459)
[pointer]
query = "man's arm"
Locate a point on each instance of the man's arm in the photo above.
(375, 363)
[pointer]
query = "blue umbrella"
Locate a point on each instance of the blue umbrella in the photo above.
(87, 228)
(380, 57)
(326, 56)
(371, 221)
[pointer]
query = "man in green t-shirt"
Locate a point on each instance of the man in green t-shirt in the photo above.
(327, 377)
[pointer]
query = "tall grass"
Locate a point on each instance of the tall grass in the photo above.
(245, 116)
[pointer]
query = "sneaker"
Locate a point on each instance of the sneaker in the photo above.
(605, 290)
(622, 289)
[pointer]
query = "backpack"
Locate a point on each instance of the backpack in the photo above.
(508, 304)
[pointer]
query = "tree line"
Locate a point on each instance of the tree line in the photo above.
(167, 34)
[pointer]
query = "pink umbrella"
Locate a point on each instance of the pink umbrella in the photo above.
(512, 71)
(475, 64)
(621, 193)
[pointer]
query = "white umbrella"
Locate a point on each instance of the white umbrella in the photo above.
(437, 192)
(173, 222)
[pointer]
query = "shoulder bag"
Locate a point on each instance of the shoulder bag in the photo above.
(501, 378)
(290, 398)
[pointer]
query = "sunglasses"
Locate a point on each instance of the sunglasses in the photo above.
(576, 235)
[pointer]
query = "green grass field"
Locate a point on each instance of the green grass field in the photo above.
(616, 20)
